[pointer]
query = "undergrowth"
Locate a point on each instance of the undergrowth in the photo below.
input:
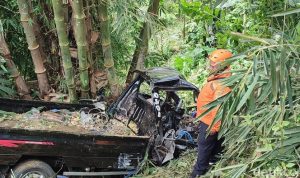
(179, 168)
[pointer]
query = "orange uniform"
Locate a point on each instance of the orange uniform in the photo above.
(209, 145)
(212, 90)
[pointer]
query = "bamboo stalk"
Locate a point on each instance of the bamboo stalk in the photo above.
(80, 36)
(21, 86)
(88, 22)
(106, 46)
(142, 43)
(61, 28)
(37, 30)
(34, 47)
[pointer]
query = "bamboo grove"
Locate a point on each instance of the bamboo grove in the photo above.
(76, 27)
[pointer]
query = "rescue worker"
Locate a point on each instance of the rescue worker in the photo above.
(209, 146)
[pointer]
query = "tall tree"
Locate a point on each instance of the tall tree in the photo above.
(142, 43)
(33, 46)
(21, 86)
(80, 35)
(106, 46)
(61, 28)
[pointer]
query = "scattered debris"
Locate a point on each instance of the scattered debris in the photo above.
(82, 122)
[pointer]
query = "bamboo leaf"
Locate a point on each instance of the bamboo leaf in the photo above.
(292, 130)
(204, 113)
(244, 131)
(224, 109)
(273, 76)
(218, 101)
(232, 109)
(231, 80)
(253, 38)
(239, 172)
(252, 103)
(289, 12)
(217, 118)
(289, 91)
(290, 141)
(229, 167)
(247, 94)
(266, 119)
(4, 82)
(266, 90)
(7, 90)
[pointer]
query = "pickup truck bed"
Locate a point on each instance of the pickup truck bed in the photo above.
(99, 151)
(68, 152)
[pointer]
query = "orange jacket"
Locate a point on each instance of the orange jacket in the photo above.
(212, 90)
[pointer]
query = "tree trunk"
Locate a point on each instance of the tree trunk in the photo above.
(106, 47)
(40, 40)
(142, 43)
(61, 28)
(80, 36)
(38, 31)
(34, 47)
(21, 86)
(88, 22)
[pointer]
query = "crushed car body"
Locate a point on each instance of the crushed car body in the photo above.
(151, 101)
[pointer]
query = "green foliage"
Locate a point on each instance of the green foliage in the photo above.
(192, 64)
(126, 20)
(184, 64)
(168, 13)
(191, 8)
(216, 22)
(15, 37)
(6, 84)
(260, 116)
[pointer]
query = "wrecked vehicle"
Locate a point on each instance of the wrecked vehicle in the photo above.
(151, 102)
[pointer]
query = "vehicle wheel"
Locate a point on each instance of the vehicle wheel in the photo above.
(32, 169)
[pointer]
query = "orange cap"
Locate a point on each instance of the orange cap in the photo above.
(220, 55)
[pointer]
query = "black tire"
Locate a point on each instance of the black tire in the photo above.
(31, 167)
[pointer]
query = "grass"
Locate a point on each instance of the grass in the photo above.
(179, 168)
